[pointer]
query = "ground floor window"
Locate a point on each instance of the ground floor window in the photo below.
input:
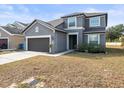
(93, 38)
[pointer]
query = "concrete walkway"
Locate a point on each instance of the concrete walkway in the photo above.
(16, 56)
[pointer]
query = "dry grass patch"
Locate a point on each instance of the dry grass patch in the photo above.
(72, 70)
(5, 52)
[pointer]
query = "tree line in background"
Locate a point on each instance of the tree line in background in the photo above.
(115, 33)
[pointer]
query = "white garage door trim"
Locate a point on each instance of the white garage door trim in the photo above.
(42, 36)
(7, 41)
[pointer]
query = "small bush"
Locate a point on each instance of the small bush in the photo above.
(91, 48)
(94, 48)
(83, 47)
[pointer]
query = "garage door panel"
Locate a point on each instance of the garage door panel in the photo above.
(3, 43)
(38, 44)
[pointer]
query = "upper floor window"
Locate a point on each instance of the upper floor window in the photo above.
(71, 22)
(94, 21)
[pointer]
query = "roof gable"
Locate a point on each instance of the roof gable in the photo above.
(11, 30)
(48, 25)
(5, 30)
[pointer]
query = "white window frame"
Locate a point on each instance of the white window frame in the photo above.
(75, 22)
(94, 34)
(90, 23)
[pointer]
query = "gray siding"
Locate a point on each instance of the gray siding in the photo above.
(60, 26)
(42, 30)
(65, 23)
(103, 39)
(85, 38)
(60, 41)
(80, 21)
(103, 21)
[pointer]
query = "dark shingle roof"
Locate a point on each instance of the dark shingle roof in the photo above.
(24, 24)
(12, 30)
(44, 23)
(85, 14)
(20, 25)
(94, 14)
(92, 30)
(73, 14)
(56, 22)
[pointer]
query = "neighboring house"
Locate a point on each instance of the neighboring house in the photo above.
(11, 35)
(66, 33)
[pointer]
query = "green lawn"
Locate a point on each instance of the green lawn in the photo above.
(72, 70)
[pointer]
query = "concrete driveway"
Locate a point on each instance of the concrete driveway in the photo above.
(16, 56)
(11, 57)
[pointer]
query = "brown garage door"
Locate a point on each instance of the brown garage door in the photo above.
(38, 44)
(3, 43)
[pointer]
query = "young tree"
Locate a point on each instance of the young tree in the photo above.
(114, 32)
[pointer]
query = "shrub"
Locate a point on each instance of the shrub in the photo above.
(83, 47)
(91, 48)
(50, 45)
(95, 48)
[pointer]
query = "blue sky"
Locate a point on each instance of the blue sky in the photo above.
(27, 13)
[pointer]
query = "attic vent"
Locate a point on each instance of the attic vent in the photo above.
(37, 29)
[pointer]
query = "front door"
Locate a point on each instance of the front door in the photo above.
(72, 41)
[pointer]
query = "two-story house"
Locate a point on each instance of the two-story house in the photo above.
(65, 33)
